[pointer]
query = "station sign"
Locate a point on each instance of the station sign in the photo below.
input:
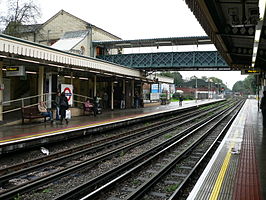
(15, 71)
(68, 90)
(254, 71)
(155, 88)
(154, 95)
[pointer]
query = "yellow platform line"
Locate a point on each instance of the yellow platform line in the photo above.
(66, 129)
(217, 187)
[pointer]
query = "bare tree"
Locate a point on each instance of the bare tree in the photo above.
(19, 13)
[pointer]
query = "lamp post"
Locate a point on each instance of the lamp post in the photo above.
(209, 87)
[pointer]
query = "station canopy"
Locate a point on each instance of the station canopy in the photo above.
(236, 28)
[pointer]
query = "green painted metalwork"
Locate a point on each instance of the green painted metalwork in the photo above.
(170, 60)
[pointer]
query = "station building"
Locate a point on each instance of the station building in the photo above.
(67, 32)
(58, 56)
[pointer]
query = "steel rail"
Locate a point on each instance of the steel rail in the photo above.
(87, 148)
(145, 187)
(112, 173)
(203, 159)
(80, 147)
(53, 176)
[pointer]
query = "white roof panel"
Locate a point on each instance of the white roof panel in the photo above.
(66, 44)
(70, 40)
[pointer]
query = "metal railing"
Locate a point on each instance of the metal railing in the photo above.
(17, 104)
(81, 98)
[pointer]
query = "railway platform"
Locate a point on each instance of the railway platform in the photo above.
(31, 134)
(237, 169)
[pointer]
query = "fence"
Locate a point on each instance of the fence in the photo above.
(17, 104)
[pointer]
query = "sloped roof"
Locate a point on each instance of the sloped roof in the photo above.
(29, 28)
(70, 40)
(88, 24)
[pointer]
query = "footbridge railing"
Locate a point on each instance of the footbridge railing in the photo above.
(196, 60)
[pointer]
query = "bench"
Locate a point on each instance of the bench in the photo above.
(31, 112)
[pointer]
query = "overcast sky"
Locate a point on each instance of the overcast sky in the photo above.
(139, 19)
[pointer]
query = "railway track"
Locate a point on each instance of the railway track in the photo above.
(122, 143)
(141, 180)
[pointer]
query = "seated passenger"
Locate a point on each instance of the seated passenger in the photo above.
(43, 110)
(88, 104)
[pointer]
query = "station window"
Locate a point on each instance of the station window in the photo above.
(82, 48)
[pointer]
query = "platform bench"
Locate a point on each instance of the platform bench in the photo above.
(31, 112)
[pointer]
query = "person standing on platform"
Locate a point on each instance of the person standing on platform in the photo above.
(136, 99)
(57, 105)
(63, 107)
(96, 105)
(180, 100)
(263, 108)
(123, 102)
(105, 100)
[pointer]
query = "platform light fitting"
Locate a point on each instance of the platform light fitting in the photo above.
(83, 78)
(163, 42)
(262, 4)
(208, 40)
(69, 77)
(29, 72)
(123, 44)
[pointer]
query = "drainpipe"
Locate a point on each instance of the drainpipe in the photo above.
(94, 86)
(1, 91)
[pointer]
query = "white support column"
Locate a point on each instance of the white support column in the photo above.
(94, 86)
(112, 95)
(1, 91)
(71, 78)
(41, 82)
(49, 97)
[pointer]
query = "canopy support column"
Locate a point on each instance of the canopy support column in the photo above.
(112, 95)
(41, 83)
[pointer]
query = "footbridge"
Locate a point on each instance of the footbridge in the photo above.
(194, 60)
(181, 61)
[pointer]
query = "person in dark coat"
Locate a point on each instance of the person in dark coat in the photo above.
(105, 100)
(136, 100)
(96, 105)
(180, 100)
(263, 108)
(63, 107)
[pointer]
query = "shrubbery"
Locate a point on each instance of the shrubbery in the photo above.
(186, 97)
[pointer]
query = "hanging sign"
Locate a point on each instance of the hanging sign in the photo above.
(251, 71)
(15, 71)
